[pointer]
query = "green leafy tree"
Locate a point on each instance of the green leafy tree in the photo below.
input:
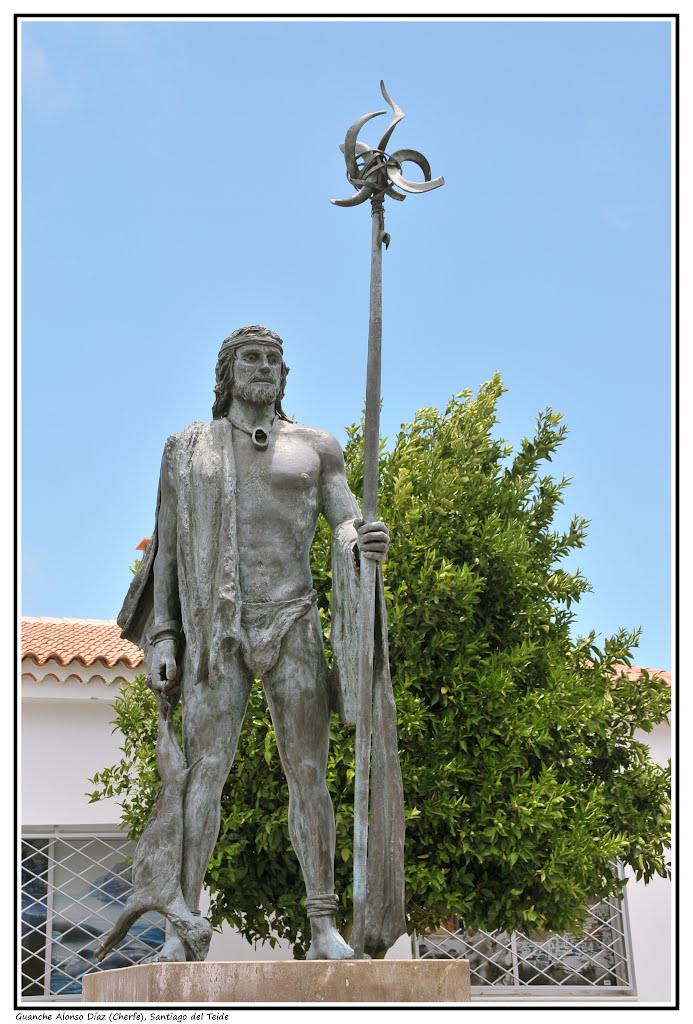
(523, 780)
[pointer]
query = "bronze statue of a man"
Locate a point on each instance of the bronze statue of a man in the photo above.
(224, 594)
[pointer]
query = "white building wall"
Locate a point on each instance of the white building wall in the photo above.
(64, 743)
(649, 909)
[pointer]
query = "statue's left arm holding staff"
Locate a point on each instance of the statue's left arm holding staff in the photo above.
(339, 506)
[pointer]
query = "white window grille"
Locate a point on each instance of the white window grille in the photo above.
(74, 887)
(599, 960)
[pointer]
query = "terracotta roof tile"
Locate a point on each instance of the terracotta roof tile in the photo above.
(635, 671)
(83, 640)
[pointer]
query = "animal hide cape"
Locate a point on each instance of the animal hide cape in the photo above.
(199, 473)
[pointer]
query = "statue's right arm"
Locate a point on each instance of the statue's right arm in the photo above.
(167, 618)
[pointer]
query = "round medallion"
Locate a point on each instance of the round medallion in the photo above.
(260, 438)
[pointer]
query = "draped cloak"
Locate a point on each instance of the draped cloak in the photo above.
(198, 470)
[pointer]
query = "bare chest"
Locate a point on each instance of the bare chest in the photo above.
(287, 471)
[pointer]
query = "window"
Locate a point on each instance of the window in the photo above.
(73, 889)
(598, 959)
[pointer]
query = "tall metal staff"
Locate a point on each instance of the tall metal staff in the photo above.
(373, 173)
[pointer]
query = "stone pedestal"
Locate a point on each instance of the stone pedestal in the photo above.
(283, 981)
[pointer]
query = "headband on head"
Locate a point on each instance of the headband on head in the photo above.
(247, 335)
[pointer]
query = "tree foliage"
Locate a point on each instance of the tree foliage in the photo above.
(523, 780)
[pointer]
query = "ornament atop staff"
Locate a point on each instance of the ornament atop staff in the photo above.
(373, 173)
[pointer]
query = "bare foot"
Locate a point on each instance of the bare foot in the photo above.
(327, 943)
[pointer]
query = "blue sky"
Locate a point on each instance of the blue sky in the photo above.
(176, 179)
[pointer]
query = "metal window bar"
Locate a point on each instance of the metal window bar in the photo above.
(86, 883)
(599, 960)
(49, 918)
(35, 887)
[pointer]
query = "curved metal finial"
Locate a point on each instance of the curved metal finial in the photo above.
(373, 172)
(350, 142)
(411, 156)
(397, 111)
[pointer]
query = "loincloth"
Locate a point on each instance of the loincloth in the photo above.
(264, 624)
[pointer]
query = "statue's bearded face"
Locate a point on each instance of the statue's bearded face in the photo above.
(257, 373)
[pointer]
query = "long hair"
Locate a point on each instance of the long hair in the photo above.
(224, 386)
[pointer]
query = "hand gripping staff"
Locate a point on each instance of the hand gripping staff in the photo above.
(373, 173)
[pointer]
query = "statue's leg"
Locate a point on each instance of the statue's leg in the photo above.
(212, 720)
(297, 695)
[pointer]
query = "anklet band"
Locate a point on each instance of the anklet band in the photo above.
(324, 905)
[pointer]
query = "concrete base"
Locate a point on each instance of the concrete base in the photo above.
(283, 981)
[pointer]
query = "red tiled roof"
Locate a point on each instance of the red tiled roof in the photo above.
(84, 640)
(635, 671)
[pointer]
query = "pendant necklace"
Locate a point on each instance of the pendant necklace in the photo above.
(259, 436)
